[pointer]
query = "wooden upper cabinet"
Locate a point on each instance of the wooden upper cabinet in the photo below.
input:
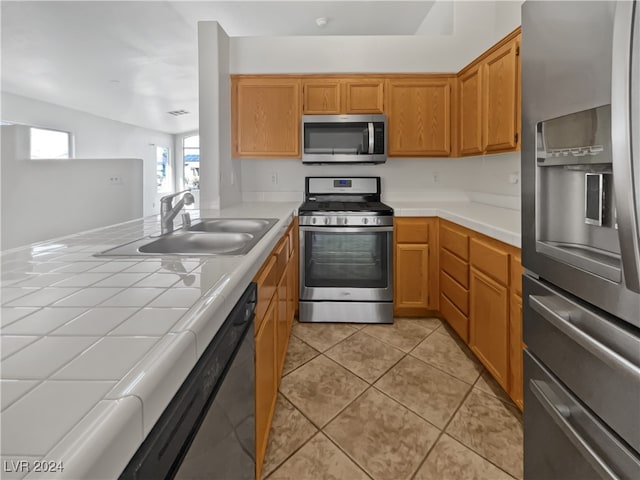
(342, 95)
(501, 86)
(364, 96)
(470, 111)
(321, 96)
(266, 117)
(419, 118)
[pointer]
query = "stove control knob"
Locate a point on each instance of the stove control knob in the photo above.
(326, 221)
(378, 221)
(365, 220)
(313, 220)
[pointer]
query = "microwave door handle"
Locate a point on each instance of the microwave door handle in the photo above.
(623, 173)
(370, 151)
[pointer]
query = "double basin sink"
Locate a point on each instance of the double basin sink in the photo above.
(209, 236)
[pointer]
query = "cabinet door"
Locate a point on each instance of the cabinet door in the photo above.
(266, 117)
(470, 111)
(419, 114)
(501, 92)
(266, 382)
(488, 335)
(363, 96)
(321, 97)
(515, 350)
(412, 276)
(282, 330)
(292, 286)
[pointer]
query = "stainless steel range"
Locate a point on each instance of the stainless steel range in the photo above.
(346, 252)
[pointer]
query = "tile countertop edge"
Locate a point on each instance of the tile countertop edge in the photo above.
(508, 232)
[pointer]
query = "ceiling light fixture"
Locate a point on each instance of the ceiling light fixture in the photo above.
(177, 113)
(321, 22)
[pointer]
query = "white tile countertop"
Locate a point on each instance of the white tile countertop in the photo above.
(503, 224)
(94, 348)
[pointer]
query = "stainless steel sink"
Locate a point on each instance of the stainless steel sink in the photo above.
(241, 225)
(209, 236)
(200, 244)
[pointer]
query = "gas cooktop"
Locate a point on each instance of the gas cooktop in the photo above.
(331, 195)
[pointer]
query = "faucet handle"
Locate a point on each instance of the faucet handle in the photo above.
(171, 196)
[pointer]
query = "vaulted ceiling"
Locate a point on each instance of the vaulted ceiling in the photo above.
(134, 61)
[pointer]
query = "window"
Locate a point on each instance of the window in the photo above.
(163, 170)
(47, 143)
(191, 155)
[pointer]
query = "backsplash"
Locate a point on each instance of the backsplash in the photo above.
(484, 178)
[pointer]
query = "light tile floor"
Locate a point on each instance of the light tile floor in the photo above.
(390, 402)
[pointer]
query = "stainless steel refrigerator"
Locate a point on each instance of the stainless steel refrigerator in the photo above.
(580, 247)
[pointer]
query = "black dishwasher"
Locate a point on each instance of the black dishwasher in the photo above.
(208, 429)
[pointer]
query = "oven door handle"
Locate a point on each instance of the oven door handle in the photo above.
(346, 229)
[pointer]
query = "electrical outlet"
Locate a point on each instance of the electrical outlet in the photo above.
(514, 178)
(274, 178)
(115, 180)
(435, 177)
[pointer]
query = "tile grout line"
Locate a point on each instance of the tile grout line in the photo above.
(442, 432)
(469, 446)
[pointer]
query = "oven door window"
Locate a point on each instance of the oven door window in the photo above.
(355, 260)
(336, 138)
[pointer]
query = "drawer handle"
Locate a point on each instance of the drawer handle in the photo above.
(561, 319)
(559, 413)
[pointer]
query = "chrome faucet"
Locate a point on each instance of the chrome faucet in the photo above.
(168, 211)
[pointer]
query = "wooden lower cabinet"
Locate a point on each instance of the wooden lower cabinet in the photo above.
(489, 329)
(277, 284)
(282, 328)
(415, 291)
(412, 279)
(266, 382)
(516, 346)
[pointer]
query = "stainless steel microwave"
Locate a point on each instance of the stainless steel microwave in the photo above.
(344, 138)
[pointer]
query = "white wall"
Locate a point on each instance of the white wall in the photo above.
(476, 27)
(95, 137)
(220, 177)
(44, 199)
(402, 178)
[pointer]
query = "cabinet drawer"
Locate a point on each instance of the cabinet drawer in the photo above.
(516, 275)
(458, 321)
(281, 253)
(456, 268)
(412, 230)
(455, 292)
(455, 242)
(267, 283)
(490, 260)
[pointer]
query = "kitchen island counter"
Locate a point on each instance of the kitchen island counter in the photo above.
(94, 348)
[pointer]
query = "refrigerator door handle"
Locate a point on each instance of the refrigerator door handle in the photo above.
(560, 413)
(552, 310)
(623, 174)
